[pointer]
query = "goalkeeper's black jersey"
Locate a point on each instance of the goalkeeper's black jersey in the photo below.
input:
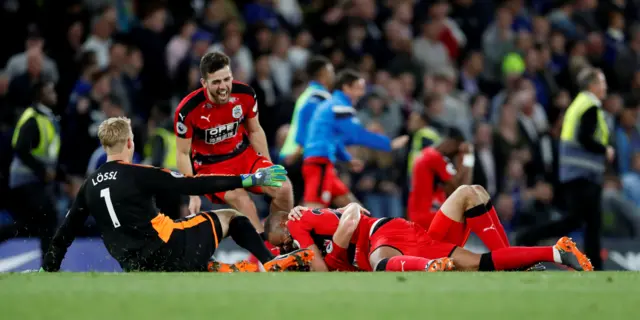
(120, 197)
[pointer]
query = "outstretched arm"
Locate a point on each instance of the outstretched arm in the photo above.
(66, 233)
(355, 134)
(156, 180)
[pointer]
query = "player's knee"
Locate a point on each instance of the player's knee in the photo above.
(481, 192)
(463, 193)
(381, 265)
(227, 214)
(237, 198)
(286, 189)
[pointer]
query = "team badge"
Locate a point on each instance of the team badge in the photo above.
(209, 105)
(181, 128)
(237, 112)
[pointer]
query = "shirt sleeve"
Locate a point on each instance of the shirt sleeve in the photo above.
(300, 231)
(66, 233)
(349, 126)
(181, 123)
(588, 125)
(156, 180)
(444, 169)
(342, 153)
(252, 103)
(304, 117)
(337, 259)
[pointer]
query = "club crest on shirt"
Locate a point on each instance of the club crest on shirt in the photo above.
(181, 128)
(237, 112)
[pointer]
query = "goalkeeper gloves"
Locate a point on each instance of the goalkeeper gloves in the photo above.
(266, 177)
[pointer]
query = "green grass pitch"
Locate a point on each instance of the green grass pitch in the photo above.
(327, 296)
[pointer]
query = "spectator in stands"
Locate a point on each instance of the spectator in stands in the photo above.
(99, 40)
(178, 47)
(18, 64)
(631, 180)
(20, 86)
(627, 138)
(378, 182)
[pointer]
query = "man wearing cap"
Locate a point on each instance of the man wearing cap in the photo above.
(584, 152)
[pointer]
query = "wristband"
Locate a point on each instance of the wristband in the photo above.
(468, 160)
(247, 180)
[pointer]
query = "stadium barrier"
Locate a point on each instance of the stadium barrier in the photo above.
(89, 254)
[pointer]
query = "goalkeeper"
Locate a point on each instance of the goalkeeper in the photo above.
(120, 196)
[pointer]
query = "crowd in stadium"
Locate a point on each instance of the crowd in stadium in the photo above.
(502, 72)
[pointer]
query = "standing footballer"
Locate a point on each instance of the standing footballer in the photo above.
(217, 128)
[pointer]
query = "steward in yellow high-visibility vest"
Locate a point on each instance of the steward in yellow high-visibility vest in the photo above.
(36, 144)
(160, 150)
(583, 154)
(423, 138)
(584, 140)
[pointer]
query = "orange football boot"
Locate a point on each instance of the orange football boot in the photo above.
(571, 256)
(242, 266)
(297, 259)
(442, 264)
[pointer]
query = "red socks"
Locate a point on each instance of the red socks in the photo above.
(496, 221)
(481, 223)
(444, 229)
(515, 257)
(403, 263)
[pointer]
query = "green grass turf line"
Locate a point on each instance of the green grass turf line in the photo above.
(327, 296)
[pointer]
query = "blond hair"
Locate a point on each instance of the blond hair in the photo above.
(114, 133)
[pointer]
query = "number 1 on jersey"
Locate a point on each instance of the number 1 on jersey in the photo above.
(106, 194)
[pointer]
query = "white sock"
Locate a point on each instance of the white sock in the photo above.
(556, 255)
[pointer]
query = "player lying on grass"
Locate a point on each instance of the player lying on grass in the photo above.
(396, 244)
(120, 195)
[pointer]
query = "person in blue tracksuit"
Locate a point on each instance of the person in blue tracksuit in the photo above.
(321, 74)
(333, 126)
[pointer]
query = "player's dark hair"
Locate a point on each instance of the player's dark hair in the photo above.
(587, 76)
(454, 134)
(347, 77)
(212, 62)
(315, 65)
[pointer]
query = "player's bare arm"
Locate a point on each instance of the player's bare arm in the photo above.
(257, 137)
(158, 180)
(465, 161)
(317, 264)
(183, 160)
(347, 226)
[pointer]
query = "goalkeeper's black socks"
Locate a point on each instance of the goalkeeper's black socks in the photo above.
(245, 235)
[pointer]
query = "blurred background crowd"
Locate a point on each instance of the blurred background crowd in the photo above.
(501, 71)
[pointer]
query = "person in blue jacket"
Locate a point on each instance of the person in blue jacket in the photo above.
(334, 125)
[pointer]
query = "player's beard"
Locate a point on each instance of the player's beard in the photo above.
(221, 96)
